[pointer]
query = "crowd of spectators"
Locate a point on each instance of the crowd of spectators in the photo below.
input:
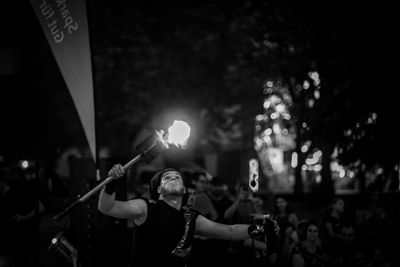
(344, 232)
(358, 233)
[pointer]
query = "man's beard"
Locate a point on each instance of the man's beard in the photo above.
(172, 190)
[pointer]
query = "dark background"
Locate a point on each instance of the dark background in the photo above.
(150, 56)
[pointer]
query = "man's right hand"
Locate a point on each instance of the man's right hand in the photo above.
(117, 171)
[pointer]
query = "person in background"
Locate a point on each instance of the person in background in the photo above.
(309, 252)
(202, 204)
(350, 253)
(190, 197)
(245, 209)
(287, 221)
(219, 199)
(374, 228)
(284, 215)
(218, 249)
(332, 222)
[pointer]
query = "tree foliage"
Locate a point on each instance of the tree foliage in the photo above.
(212, 58)
(215, 55)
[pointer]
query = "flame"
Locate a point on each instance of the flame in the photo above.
(178, 133)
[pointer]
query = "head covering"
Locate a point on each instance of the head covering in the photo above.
(156, 181)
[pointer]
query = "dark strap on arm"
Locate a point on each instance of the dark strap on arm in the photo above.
(111, 187)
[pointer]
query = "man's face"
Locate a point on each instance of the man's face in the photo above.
(217, 190)
(312, 233)
(348, 234)
(281, 203)
(201, 183)
(245, 192)
(171, 184)
(339, 205)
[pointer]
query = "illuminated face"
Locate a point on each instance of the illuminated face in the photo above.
(171, 184)
(312, 233)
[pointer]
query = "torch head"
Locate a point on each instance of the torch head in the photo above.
(152, 146)
(178, 134)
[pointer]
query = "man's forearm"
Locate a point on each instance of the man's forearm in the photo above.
(235, 232)
(106, 201)
(238, 232)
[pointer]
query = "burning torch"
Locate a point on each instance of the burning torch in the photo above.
(178, 135)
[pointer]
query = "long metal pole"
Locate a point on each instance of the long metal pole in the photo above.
(94, 190)
(155, 145)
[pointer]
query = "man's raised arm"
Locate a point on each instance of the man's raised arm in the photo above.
(134, 209)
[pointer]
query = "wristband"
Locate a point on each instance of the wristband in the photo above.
(111, 187)
(255, 230)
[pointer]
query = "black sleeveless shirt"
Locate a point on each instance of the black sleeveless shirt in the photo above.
(160, 234)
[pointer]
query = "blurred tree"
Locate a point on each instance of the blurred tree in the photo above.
(213, 56)
(322, 52)
(212, 59)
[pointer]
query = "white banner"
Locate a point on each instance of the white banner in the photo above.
(65, 26)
